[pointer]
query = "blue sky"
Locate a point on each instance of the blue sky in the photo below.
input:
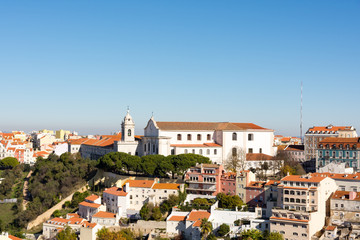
(77, 65)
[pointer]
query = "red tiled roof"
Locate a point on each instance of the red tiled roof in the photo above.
(330, 140)
(340, 176)
(299, 178)
(92, 197)
(172, 186)
(197, 223)
(197, 215)
(141, 183)
(256, 184)
(169, 126)
(330, 228)
(327, 129)
(89, 225)
(13, 237)
(345, 195)
(102, 214)
(92, 205)
(272, 182)
(75, 215)
(177, 218)
(258, 157)
(115, 191)
(286, 139)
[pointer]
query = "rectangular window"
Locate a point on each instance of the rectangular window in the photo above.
(215, 151)
(199, 137)
(189, 137)
(260, 150)
(250, 150)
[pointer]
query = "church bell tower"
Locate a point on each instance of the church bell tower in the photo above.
(128, 128)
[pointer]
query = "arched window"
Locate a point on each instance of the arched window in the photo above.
(189, 137)
(193, 151)
(250, 137)
(200, 151)
(234, 137)
(199, 137)
(234, 152)
(179, 137)
(129, 132)
(297, 200)
(208, 152)
(286, 191)
(208, 137)
(186, 151)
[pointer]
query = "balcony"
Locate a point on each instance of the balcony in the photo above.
(210, 189)
(199, 182)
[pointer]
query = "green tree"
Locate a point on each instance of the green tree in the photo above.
(156, 214)
(145, 212)
(148, 164)
(223, 230)
(251, 234)
(66, 234)
(206, 228)
(211, 236)
(275, 236)
(8, 162)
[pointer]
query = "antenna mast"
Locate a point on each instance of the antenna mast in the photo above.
(301, 105)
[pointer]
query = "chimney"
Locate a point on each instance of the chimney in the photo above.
(352, 195)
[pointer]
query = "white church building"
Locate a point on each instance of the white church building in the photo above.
(216, 140)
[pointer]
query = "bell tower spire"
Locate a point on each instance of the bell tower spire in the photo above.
(128, 128)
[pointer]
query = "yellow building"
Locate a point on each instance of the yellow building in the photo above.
(62, 134)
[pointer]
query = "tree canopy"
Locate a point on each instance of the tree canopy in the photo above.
(223, 230)
(150, 165)
(8, 162)
(229, 202)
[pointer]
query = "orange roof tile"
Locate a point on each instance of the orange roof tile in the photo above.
(330, 228)
(89, 225)
(345, 195)
(332, 128)
(172, 186)
(92, 205)
(258, 157)
(102, 214)
(286, 139)
(339, 140)
(115, 191)
(170, 126)
(75, 215)
(272, 182)
(299, 178)
(141, 183)
(13, 237)
(197, 223)
(177, 218)
(92, 197)
(339, 176)
(256, 184)
(197, 215)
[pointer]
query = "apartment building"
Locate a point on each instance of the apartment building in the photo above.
(243, 179)
(228, 183)
(345, 182)
(204, 179)
(301, 205)
(315, 134)
(345, 209)
(338, 150)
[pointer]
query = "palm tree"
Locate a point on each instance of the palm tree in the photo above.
(206, 228)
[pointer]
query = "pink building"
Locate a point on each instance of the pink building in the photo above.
(204, 179)
(255, 194)
(228, 183)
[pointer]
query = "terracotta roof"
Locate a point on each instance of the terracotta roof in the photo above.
(78, 141)
(177, 218)
(197, 215)
(141, 183)
(89, 225)
(345, 195)
(172, 186)
(115, 191)
(102, 214)
(330, 228)
(169, 126)
(92, 197)
(205, 145)
(106, 141)
(197, 223)
(272, 182)
(286, 139)
(75, 215)
(258, 157)
(328, 129)
(13, 237)
(289, 219)
(92, 205)
(256, 184)
(299, 178)
(339, 176)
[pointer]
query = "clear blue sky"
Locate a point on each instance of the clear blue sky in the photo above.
(77, 64)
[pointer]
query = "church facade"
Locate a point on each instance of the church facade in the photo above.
(215, 140)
